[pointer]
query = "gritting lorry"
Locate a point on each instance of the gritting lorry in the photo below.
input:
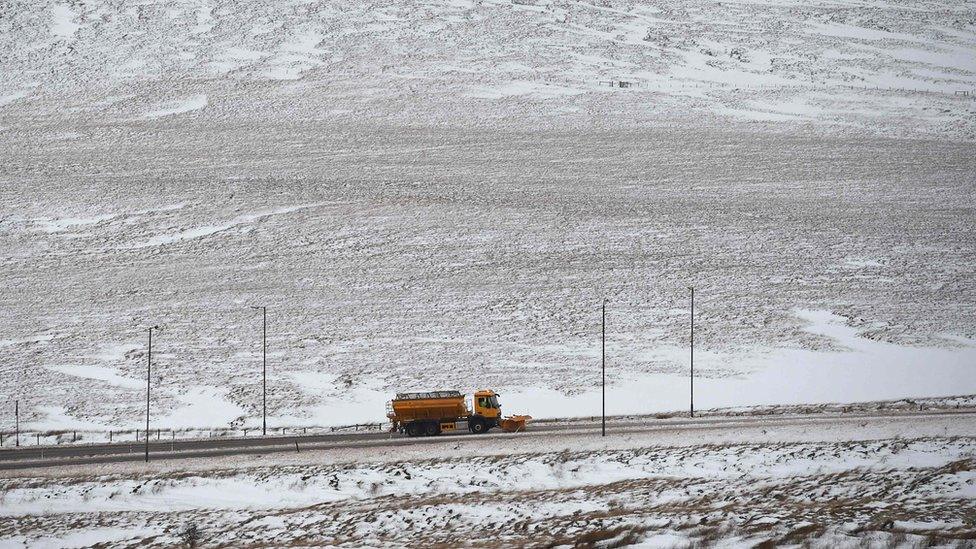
(432, 413)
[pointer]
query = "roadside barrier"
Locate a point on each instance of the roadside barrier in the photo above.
(9, 439)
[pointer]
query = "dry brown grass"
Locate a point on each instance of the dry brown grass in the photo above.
(610, 538)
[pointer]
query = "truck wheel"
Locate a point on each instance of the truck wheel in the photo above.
(413, 429)
(477, 426)
(432, 429)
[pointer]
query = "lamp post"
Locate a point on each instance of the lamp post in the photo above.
(692, 351)
(603, 387)
(264, 370)
(148, 379)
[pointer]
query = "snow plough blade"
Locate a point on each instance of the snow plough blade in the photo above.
(514, 424)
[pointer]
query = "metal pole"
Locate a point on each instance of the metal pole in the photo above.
(603, 389)
(148, 374)
(692, 352)
(17, 420)
(264, 373)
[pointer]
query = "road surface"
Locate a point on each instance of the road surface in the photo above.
(30, 457)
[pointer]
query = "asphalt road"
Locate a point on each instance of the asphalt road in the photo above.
(54, 456)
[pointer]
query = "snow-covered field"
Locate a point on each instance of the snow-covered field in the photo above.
(827, 270)
(905, 482)
(439, 195)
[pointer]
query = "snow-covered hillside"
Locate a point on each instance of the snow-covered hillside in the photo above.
(886, 67)
(440, 195)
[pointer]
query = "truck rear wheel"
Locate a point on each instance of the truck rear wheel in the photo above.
(432, 429)
(413, 429)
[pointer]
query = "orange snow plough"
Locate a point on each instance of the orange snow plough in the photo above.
(435, 412)
(513, 424)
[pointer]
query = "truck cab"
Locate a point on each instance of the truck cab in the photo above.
(487, 411)
(486, 404)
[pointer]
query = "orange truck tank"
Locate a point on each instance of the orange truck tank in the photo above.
(434, 412)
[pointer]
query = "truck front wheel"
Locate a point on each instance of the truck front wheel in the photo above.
(477, 426)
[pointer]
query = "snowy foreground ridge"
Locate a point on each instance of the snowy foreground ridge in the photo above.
(890, 491)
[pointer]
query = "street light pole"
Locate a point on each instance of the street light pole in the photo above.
(603, 389)
(148, 378)
(692, 351)
(264, 371)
